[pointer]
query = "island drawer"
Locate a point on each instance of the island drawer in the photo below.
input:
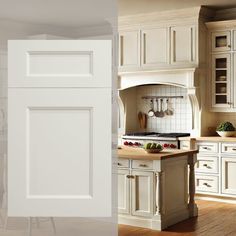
(229, 148)
(207, 164)
(207, 147)
(123, 163)
(207, 183)
(142, 164)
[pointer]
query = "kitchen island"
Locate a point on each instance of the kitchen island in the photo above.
(155, 190)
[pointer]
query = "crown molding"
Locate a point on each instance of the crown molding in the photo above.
(221, 24)
(165, 17)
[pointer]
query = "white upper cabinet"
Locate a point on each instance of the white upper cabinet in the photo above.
(129, 49)
(183, 45)
(155, 47)
(220, 41)
(64, 64)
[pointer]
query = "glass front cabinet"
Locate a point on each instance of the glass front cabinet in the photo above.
(221, 82)
(221, 41)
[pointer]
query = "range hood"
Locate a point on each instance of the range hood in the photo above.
(185, 78)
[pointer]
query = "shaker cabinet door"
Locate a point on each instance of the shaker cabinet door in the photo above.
(183, 45)
(59, 135)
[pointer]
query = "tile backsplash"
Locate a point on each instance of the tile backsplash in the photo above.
(180, 121)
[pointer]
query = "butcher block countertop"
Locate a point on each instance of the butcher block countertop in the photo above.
(140, 153)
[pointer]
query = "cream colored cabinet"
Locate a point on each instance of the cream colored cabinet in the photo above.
(124, 191)
(183, 45)
(229, 175)
(155, 47)
(142, 189)
(221, 41)
(129, 49)
(221, 80)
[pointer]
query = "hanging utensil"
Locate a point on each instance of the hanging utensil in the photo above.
(162, 113)
(151, 111)
(157, 112)
(168, 111)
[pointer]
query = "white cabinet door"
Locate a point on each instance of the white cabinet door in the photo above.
(124, 191)
(129, 49)
(229, 175)
(183, 45)
(70, 63)
(58, 164)
(155, 47)
(142, 186)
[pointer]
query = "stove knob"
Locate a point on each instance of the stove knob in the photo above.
(173, 146)
(166, 145)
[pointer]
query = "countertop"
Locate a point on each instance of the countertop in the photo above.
(209, 138)
(140, 153)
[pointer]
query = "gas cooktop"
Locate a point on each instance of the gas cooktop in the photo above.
(154, 134)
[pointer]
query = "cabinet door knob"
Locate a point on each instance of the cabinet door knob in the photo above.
(119, 164)
(229, 46)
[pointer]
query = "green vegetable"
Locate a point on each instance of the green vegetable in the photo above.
(153, 146)
(225, 126)
(147, 145)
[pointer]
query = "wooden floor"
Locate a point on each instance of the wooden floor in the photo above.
(215, 219)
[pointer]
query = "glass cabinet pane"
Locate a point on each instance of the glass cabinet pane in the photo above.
(221, 80)
(221, 41)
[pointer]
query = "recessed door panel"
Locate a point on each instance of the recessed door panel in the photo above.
(64, 63)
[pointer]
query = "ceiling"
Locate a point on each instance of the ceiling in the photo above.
(66, 13)
(129, 7)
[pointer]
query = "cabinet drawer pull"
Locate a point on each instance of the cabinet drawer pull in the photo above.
(143, 165)
(207, 185)
(130, 176)
(206, 148)
(205, 165)
(234, 149)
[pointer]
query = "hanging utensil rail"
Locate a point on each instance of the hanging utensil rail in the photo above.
(156, 97)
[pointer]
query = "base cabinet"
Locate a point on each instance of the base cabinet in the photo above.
(155, 193)
(229, 175)
(216, 169)
(142, 193)
(123, 191)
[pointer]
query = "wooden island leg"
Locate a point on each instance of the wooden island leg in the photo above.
(193, 210)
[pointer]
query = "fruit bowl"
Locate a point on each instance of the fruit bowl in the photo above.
(226, 133)
(153, 150)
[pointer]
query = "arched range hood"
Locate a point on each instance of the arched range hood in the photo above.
(186, 78)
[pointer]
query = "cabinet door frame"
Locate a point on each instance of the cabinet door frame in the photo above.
(121, 50)
(218, 34)
(224, 189)
(125, 210)
(193, 43)
(228, 103)
(144, 33)
(134, 194)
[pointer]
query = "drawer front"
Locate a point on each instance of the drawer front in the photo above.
(185, 145)
(123, 163)
(207, 164)
(142, 164)
(207, 147)
(205, 183)
(229, 148)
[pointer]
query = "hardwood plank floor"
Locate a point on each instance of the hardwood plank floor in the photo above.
(215, 219)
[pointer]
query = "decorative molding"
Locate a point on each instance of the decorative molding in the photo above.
(221, 24)
(188, 15)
